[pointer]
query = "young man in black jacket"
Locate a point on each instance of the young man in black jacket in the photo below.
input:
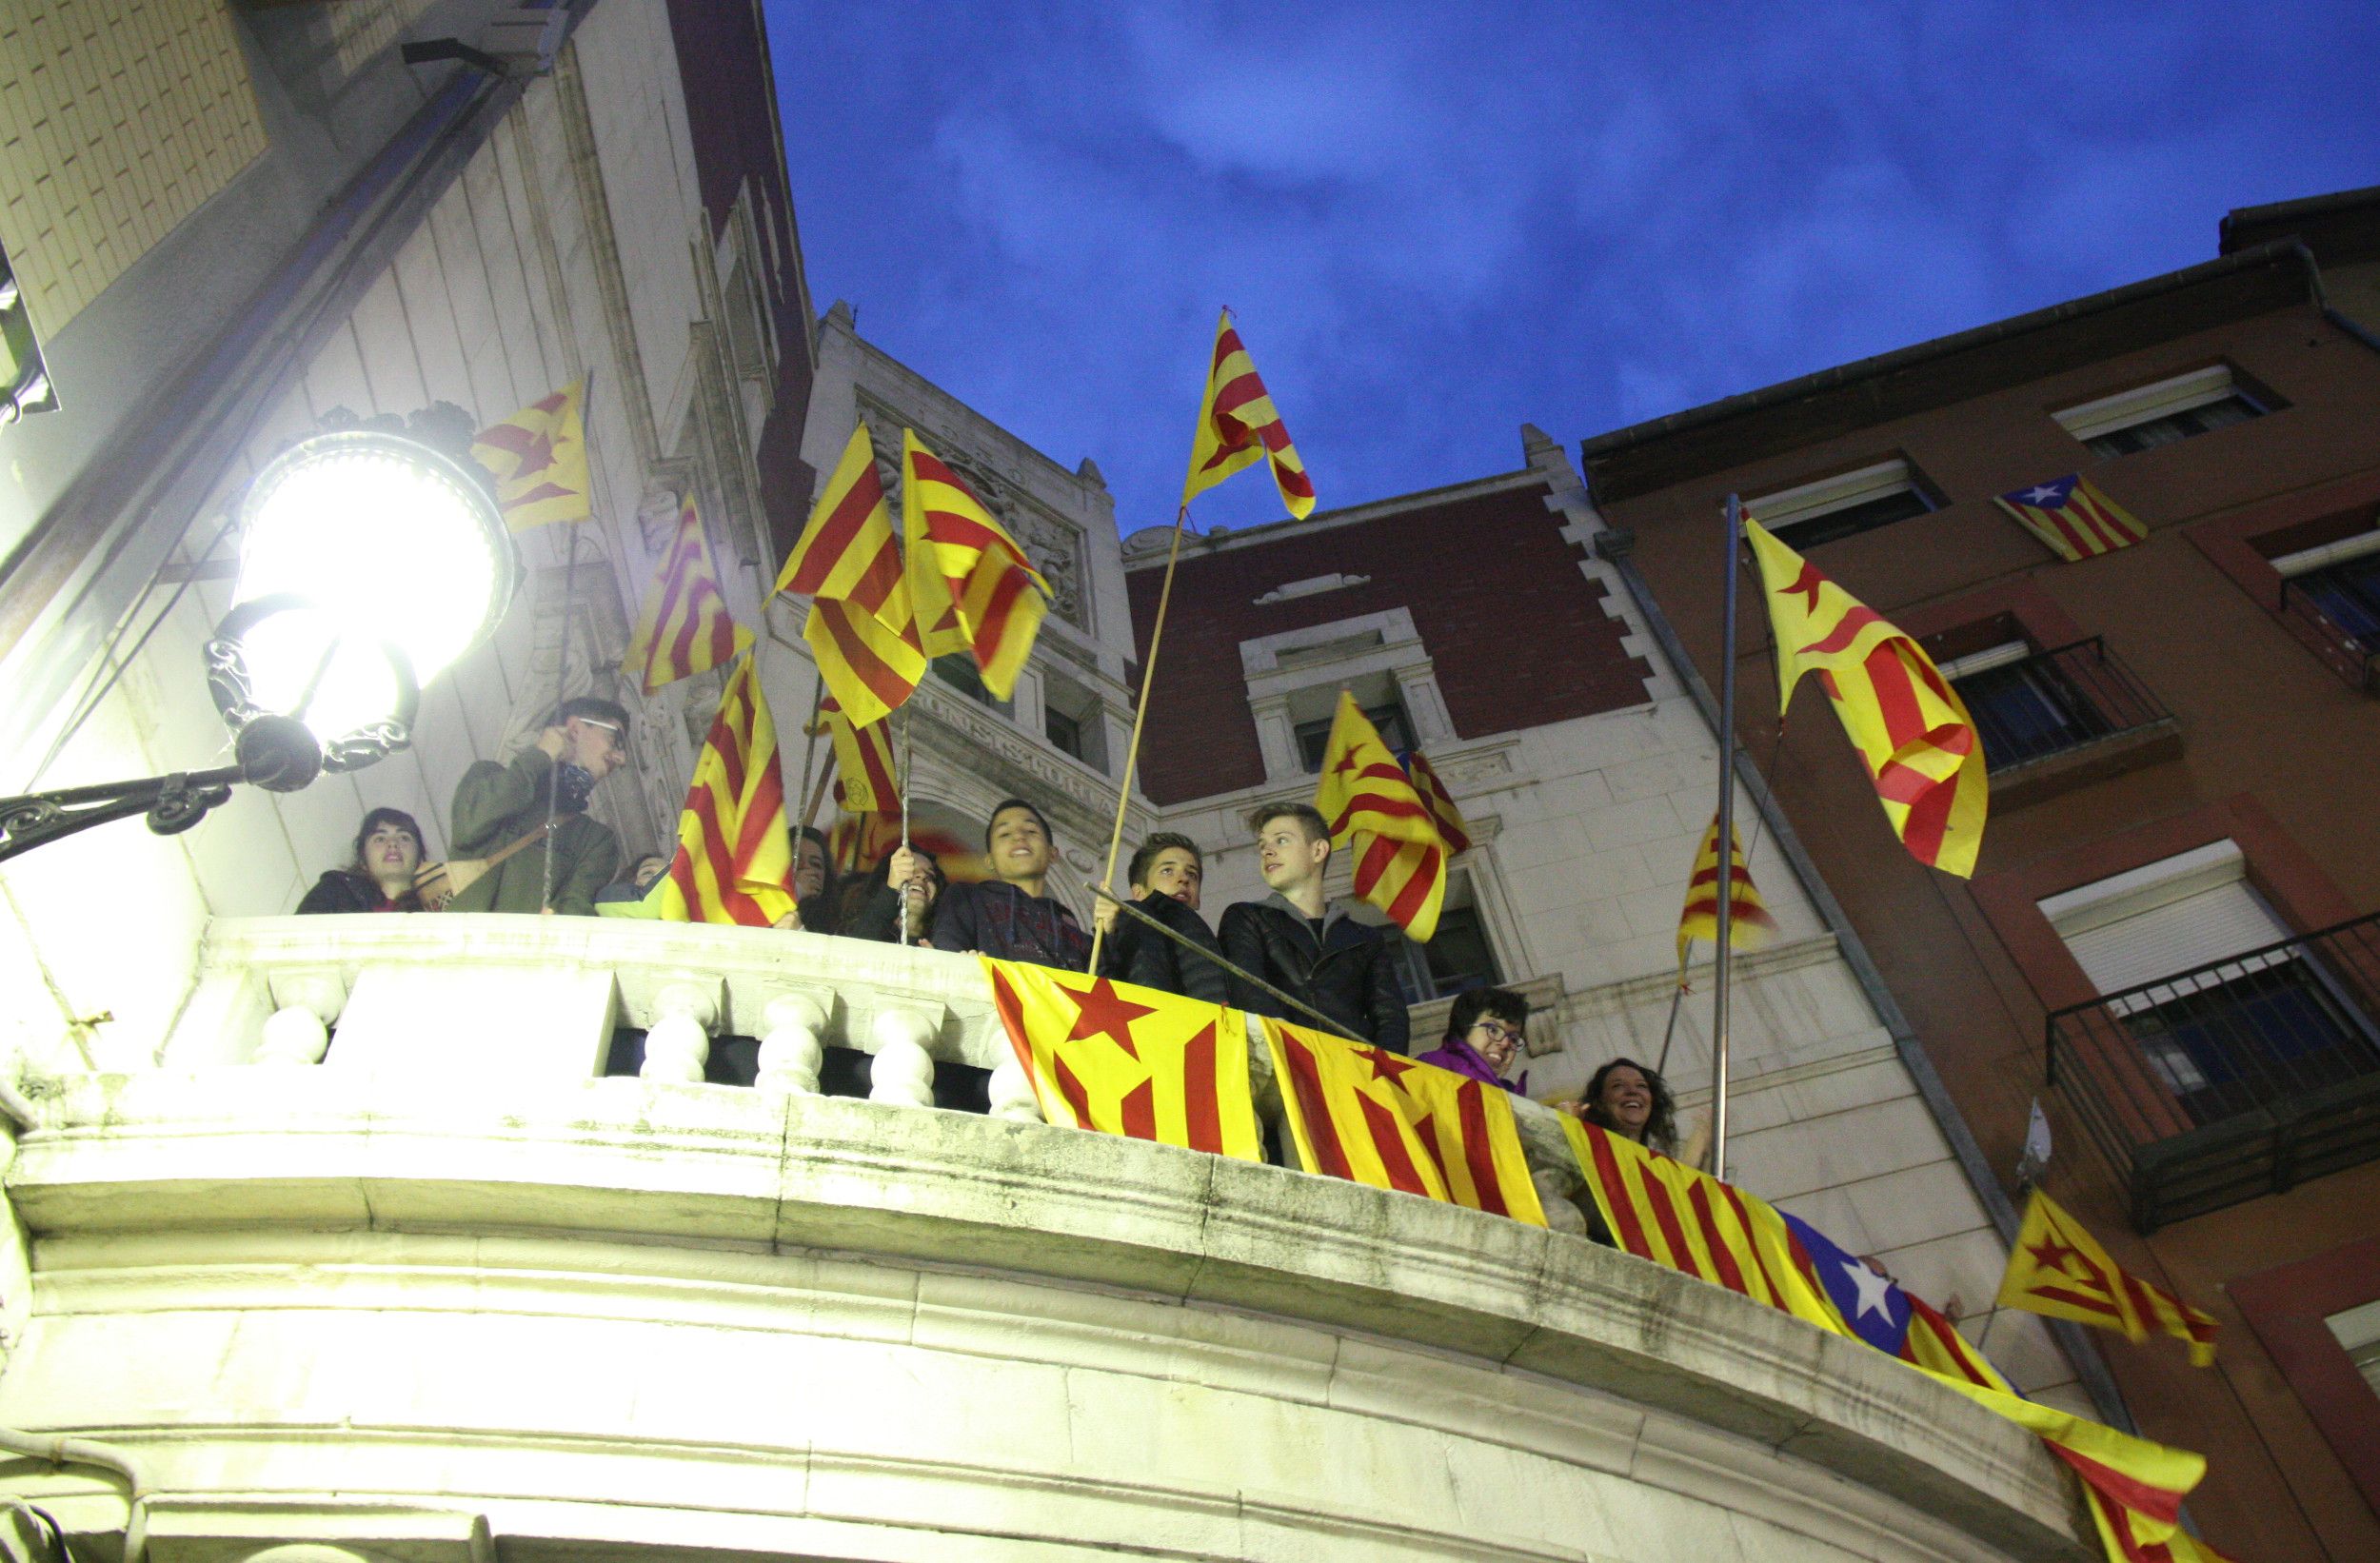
(1313, 952)
(1009, 917)
(1166, 875)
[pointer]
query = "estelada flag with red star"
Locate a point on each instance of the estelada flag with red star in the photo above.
(1130, 1060)
(537, 457)
(2056, 1267)
(1910, 726)
(1374, 1117)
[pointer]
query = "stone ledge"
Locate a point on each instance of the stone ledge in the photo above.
(675, 1167)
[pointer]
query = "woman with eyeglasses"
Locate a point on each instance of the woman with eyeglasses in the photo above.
(1485, 1031)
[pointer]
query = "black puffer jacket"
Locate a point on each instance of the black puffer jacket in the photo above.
(1137, 952)
(1347, 977)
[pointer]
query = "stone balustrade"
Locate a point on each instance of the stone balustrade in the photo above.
(525, 998)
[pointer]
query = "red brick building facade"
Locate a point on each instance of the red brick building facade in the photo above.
(2184, 737)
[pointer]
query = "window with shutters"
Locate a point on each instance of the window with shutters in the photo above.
(2168, 410)
(1846, 504)
(2219, 1033)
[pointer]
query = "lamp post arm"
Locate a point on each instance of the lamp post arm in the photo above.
(174, 805)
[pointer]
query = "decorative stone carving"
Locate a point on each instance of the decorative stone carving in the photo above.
(792, 1048)
(903, 1070)
(679, 1043)
(656, 518)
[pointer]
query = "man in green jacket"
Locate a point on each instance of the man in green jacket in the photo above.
(496, 806)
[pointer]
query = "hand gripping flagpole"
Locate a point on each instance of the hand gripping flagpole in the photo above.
(1726, 840)
(909, 886)
(1139, 715)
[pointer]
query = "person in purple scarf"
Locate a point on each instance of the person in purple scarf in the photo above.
(1485, 1031)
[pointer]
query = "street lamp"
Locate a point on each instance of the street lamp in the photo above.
(369, 563)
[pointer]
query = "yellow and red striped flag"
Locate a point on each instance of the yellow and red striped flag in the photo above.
(1130, 1060)
(1376, 1118)
(2056, 1267)
(970, 583)
(866, 782)
(2072, 518)
(537, 457)
(1375, 809)
(684, 627)
(1749, 921)
(862, 627)
(1908, 724)
(1239, 427)
(734, 857)
(1453, 831)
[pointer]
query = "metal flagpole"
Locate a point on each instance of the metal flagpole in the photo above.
(907, 723)
(562, 693)
(809, 734)
(1726, 838)
(1140, 715)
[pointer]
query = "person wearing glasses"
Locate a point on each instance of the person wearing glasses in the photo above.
(1486, 1030)
(501, 813)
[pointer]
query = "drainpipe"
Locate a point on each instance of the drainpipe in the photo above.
(2321, 301)
(59, 1450)
(1614, 546)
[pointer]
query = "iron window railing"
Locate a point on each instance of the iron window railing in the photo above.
(2237, 1079)
(2340, 605)
(2055, 701)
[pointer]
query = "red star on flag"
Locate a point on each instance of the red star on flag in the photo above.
(1387, 1066)
(2050, 1255)
(1104, 1012)
(1807, 583)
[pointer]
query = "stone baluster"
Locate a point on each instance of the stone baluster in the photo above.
(903, 1070)
(792, 1047)
(1012, 1092)
(679, 1041)
(308, 1004)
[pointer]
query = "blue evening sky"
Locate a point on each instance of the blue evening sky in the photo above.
(1436, 221)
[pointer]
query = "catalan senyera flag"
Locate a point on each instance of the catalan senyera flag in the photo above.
(1130, 1060)
(1375, 809)
(1239, 427)
(537, 457)
(1674, 1216)
(1908, 724)
(1749, 921)
(735, 855)
(2056, 1267)
(865, 780)
(684, 627)
(862, 627)
(2072, 518)
(1453, 829)
(1372, 1117)
(972, 587)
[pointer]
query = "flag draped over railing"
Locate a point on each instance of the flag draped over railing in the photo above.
(1908, 724)
(2057, 1268)
(1749, 921)
(1130, 1060)
(861, 630)
(537, 457)
(734, 857)
(684, 627)
(2072, 518)
(1374, 1116)
(970, 583)
(1239, 427)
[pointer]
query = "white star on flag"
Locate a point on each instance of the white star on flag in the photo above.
(1876, 1292)
(2042, 495)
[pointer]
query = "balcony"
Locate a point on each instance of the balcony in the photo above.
(2239, 1078)
(377, 1256)
(2056, 719)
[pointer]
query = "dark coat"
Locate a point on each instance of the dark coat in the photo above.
(344, 890)
(1133, 952)
(1347, 977)
(998, 919)
(495, 805)
(875, 913)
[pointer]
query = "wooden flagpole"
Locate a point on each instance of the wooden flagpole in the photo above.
(1139, 717)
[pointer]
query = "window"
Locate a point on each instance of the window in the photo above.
(1841, 505)
(1070, 719)
(2341, 582)
(2026, 705)
(2357, 1332)
(1457, 958)
(2164, 412)
(958, 671)
(1314, 737)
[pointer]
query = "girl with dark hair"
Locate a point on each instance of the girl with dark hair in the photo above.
(879, 911)
(380, 879)
(1633, 1102)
